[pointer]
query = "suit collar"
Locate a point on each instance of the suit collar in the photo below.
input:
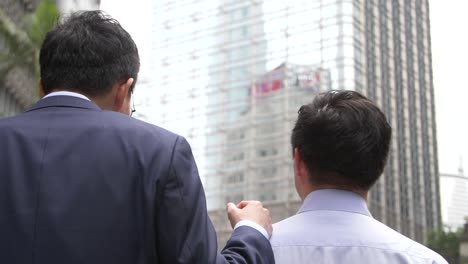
(63, 101)
(335, 200)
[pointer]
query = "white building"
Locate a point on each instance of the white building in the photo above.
(454, 199)
(257, 158)
(70, 6)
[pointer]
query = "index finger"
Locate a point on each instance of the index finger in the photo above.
(243, 204)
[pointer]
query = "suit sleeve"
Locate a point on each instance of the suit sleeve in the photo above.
(184, 232)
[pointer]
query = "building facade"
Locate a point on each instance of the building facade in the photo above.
(216, 64)
(454, 199)
(394, 67)
(241, 52)
(257, 155)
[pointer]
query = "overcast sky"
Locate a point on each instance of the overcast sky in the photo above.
(449, 53)
(449, 59)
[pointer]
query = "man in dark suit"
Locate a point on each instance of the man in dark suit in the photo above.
(82, 183)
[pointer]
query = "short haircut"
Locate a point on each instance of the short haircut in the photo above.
(88, 53)
(343, 139)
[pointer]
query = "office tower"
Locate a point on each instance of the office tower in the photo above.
(207, 54)
(240, 54)
(227, 69)
(17, 87)
(395, 69)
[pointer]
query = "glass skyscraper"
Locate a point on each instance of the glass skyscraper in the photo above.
(232, 74)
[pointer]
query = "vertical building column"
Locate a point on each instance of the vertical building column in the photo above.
(434, 222)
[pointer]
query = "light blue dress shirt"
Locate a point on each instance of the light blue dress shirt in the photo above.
(335, 226)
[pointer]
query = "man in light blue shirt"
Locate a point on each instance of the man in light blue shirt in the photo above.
(340, 145)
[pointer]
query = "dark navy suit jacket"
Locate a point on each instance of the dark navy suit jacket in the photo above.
(82, 185)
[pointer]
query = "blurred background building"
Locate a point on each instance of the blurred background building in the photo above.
(396, 72)
(232, 74)
(454, 199)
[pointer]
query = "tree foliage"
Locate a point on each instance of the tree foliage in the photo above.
(446, 243)
(21, 43)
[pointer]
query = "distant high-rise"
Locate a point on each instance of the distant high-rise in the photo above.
(240, 54)
(257, 158)
(454, 199)
(393, 62)
(206, 56)
(214, 58)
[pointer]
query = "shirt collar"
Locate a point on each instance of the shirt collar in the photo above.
(66, 93)
(335, 200)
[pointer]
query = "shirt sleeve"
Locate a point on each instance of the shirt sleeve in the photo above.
(254, 225)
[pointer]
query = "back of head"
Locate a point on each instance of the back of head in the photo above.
(88, 53)
(343, 139)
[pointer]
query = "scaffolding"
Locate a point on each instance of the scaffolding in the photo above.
(232, 74)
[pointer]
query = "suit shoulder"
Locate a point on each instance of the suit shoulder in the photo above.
(140, 126)
(13, 122)
(7, 121)
(155, 129)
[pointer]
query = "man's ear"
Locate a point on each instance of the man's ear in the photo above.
(121, 91)
(300, 170)
(41, 88)
(301, 176)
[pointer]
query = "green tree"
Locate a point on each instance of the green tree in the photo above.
(21, 44)
(446, 243)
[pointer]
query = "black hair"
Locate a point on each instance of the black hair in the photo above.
(343, 139)
(88, 53)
